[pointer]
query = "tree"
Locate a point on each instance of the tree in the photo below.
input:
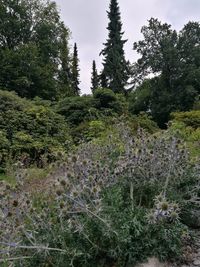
(188, 45)
(95, 78)
(15, 23)
(139, 100)
(115, 68)
(75, 72)
(163, 55)
(30, 47)
(158, 51)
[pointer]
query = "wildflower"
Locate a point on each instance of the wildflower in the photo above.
(174, 216)
(74, 193)
(164, 205)
(151, 219)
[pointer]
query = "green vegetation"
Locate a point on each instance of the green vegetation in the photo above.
(174, 59)
(94, 78)
(115, 71)
(107, 179)
(31, 131)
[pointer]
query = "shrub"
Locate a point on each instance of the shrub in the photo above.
(190, 118)
(108, 203)
(30, 128)
(105, 97)
(186, 125)
(77, 109)
(110, 103)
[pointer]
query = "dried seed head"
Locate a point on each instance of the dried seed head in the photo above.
(59, 192)
(175, 206)
(151, 218)
(74, 159)
(84, 162)
(164, 205)
(63, 183)
(62, 205)
(174, 216)
(9, 214)
(94, 189)
(74, 193)
(15, 203)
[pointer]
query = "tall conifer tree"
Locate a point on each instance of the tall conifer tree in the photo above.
(115, 68)
(75, 72)
(95, 78)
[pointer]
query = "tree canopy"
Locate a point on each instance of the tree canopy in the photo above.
(33, 42)
(164, 53)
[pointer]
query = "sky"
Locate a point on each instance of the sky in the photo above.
(87, 21)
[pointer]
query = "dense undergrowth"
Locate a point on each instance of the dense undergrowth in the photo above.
(118, 199)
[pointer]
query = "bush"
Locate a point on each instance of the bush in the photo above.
(190, 118)
(186, 125)
(77, 109)
(110, 103)
(105, 97)
(31, 129)
(114, 202)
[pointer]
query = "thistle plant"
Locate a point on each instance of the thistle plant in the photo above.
(164, 211)
(97, 190)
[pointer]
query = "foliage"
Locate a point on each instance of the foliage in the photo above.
(31, 51)
(76, 109)
(89, 130)
(75, 72)
(105, 97)
(115, 67)
(94, 78)
(143, 121)
(127, 190)
(139, 100)
(108, 100)
(190, 118)
(30, 130)
(164, 53)
(186, 125)
(87, 108)
(98, 206)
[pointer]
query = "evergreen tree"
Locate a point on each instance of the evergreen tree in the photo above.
(95, 78)
(115, 68)
(75, 72)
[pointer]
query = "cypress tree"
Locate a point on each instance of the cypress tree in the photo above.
(95, 78)
(75, 72)
(115, 68)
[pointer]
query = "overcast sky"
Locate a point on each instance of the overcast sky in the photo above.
(87, 20)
